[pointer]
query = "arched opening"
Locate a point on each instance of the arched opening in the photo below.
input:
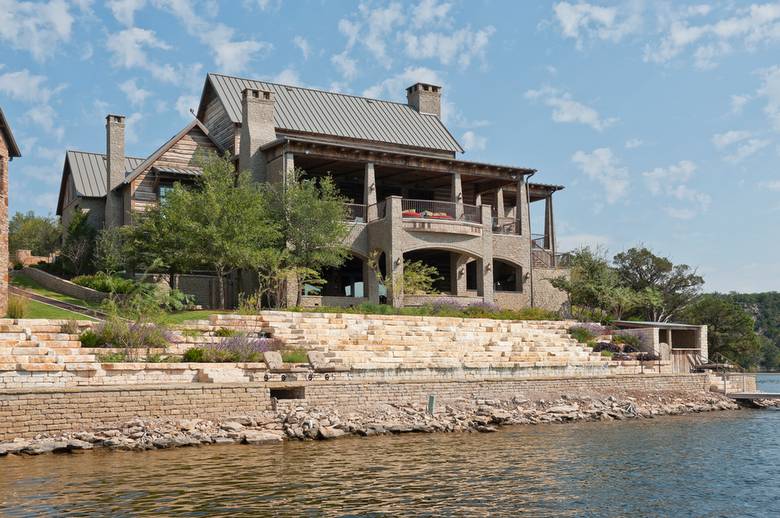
(345, 281)
(507, 276)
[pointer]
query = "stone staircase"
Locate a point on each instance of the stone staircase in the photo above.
(393, 342)
(41, 346)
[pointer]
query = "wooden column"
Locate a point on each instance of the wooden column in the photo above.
(549, 226)
(500, 203)
(457, 195)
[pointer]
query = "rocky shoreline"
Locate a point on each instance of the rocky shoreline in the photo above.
(301, 423)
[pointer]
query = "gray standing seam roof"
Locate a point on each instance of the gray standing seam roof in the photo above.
(89, 172)
(341, 115)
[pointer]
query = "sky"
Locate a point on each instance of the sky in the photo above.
(662, 119)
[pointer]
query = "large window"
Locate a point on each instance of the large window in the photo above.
(507, 277)
(164, 189)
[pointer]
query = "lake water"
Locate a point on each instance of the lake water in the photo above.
(718, 464)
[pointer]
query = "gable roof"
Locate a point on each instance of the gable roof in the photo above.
(8, 136)
(328, 113)
(140, 168)
(89, 172)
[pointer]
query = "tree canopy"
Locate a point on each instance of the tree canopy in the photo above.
(26, 231)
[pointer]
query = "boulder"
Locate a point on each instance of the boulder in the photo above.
(273, 359)
(232, 426)
(260, 437)
(77, 444)
(329, 432)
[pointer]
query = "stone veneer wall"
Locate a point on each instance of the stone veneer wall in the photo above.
(545, 295)
(54, 283)
(28, 412)
(4, 152)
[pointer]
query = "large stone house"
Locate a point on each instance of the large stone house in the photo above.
(412, 197)
(8, 151)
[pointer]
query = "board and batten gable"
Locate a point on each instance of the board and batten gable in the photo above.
(183, 154)
(217, 121)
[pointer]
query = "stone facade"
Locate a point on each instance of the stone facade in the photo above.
(28, 412)
(8, 151)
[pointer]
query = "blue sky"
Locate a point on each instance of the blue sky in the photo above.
(661, 118)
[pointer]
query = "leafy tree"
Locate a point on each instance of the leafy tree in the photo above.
(729, 329)
(764, 308)
(592, 285)
(679, 285)
(109, 251)
(79, 244)
(41, 235)
(222, 223)
(419, 278)
(311, 215)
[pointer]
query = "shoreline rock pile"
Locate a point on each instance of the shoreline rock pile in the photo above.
(290, 422)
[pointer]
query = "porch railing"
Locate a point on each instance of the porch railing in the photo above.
(506, 226)
(538, 242)
(440, 210)
(356, 212)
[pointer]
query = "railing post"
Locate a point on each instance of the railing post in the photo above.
(369, 192)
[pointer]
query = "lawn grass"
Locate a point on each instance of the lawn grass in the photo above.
(182, 316)
(22, 281)
(37, 309)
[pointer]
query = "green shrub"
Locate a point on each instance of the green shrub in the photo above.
(581, 334)
(295, 356)
(191, 333)
(112, 357)
(608, 354)
(106, 283)
(224, 332)
(89, 338)
(17, 306)
(443, 308)
(71, 327)
(194, 354)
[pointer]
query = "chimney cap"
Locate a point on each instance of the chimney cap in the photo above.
(256, 93)
(113, 117)
(428, 87)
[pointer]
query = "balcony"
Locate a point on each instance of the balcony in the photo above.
(440, 211)
(509, 226)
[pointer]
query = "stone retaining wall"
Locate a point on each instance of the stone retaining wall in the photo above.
(54, 283)
(28, 412)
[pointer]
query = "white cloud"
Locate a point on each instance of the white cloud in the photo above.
(566, 109)
(395, 87)
(747, 149)
(570, 242)
(302, 44)
(721, 140)
(671, 183)
(346, 65)
(460, 46)
(24, 86)
(45, 117)
(634, 143)
(231, 55)
(772, 185)
(351, 30)
(130, 50)
(135, 94)
(473, 142)
(288, 76)
(770, 90)
(429, 12)
(184, 103)
(750, 26)
(738, 103)
(604, 168)
(38, 28)
(582, 21)
(747, 144)
(131, 127)
(124, 10)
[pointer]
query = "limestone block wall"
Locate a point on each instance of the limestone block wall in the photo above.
(545, 295)
(54, 283)
(28, 412)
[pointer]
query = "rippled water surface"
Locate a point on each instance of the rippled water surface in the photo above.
(719, 464)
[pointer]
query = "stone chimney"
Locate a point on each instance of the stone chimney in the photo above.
(115, 168)
(257, 129)
(424, 98)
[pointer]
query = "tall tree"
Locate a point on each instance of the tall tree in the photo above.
(312, 220)
(729, 329)
(678, 284)
(221, 223)
(41, 235)
(592, 286)
(79, 244)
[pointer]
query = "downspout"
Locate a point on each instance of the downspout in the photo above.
(530, 237)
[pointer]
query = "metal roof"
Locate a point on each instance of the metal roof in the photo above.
(89, 172)
(328, 113)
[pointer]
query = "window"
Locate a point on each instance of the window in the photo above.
(164, 189)
(507, 277)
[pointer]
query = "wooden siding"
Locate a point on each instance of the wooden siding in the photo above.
(220, 127)
(183, 154)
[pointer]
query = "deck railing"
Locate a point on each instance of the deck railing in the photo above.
(356, 212)
(441, 210)
(506, 226)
